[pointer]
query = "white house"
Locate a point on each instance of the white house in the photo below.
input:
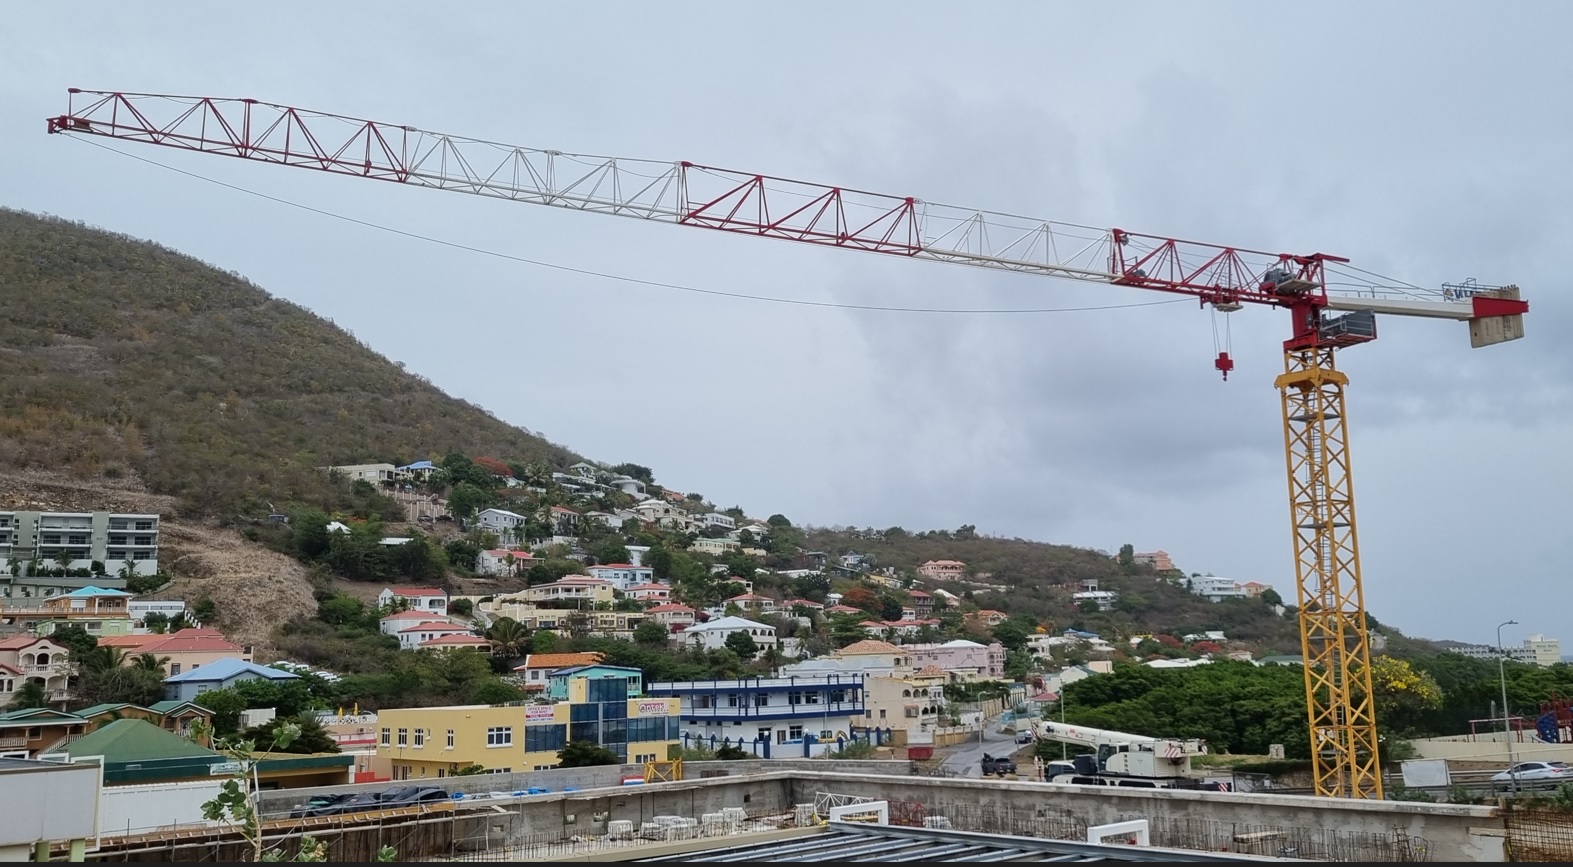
(411, 637)
(716, 519)
(712, 634)
(752, 602)
(623, 575)
(628, 485)
(390, 624)
(1215, 589)
(428, 600)
(868, 657)
(500, 562)
(1104, 599)
(637, 553)
(498, 521)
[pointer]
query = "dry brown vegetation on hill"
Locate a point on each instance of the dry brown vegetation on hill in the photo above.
(123, 357)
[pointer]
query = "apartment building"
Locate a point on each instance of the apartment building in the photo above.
(95, 609)
(1536, 650)
(434, 742)
(77, 540)
(776, 710)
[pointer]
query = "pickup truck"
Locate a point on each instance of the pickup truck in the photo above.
(998, 765)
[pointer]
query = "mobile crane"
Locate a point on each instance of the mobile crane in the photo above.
(1124, 759)
(1331, 599)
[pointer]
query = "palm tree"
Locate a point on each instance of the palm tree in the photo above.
(149, 662)
(28, 696)
(507, 636)
(101, 659)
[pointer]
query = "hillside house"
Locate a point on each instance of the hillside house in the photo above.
(712, 634)
(499, 521)
(714, 547)
(184, 650)
(716, 519)
(870, 658)
(427, 600)
(922, 603)
(675, 617)
(223, 674)
(624, 576)
(390, 624)
(456, 641)
(562, 520)
(653, 593)
(752, 603)
(28, 734)
(381, 475)
(537, 667)
(1158, 560)
(582, 590)
(966, 660)
(504, 563)
(628, 485)
(35, 659)
(943, 570)
(411, 637)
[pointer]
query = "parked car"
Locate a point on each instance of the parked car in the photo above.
(1024, 738)
(1536, 772)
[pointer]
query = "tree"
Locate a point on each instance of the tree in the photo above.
(156, 622)
(508, 637)
(465, 499)
(339, 609)
(611, 551)
(585, 754)
(150, 662)
(742, 644)
(661, 562)
(861, 597)
(28, 696)
(1401, 694)
(1014, 632)
(779, 522)
(543, 641)
(226, 705)
(205, 610)
(1271, 597)
(310, 534)
(651, 633)
(1127, 557)
(462, 607)
(311, 737)
(635, 471)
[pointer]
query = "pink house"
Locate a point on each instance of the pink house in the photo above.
(675, 617)
(943, 570)
(656, 593)
(967, 658)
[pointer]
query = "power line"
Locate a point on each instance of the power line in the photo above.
(604, 275)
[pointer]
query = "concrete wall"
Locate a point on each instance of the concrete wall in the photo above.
(1319, 828)
(1491, 749)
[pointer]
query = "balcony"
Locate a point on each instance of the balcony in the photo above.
(13, 743)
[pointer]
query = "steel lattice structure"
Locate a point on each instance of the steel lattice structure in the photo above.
(1321, 498)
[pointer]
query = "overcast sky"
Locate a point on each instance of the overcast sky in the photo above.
(1426, 141)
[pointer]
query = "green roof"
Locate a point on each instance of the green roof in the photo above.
(171, 705)
(136, 740)
(97, 709)
(37, 716)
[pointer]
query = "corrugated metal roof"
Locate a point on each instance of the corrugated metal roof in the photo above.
(843, 842)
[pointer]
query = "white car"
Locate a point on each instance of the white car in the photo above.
(1536, 772)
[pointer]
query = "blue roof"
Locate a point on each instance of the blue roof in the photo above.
(577, 668)
(225, 669)
(96, 591)
(420, 465)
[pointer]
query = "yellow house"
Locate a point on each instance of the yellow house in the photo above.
(430, 742)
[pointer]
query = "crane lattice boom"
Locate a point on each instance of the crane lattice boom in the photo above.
(1333, 634)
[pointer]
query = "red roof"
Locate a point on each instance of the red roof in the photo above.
(434, 626)
(750, 597)
(620, 566)
(649, 587)
(407, 615)
(670, 606)
(9, 670)
(503, 553)
(417, 591)
(562, 511)
(17, 642)
(806, 603)
(194, 640)
(844, 609)
(918, 594)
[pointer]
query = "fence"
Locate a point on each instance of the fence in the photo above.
(1539, 835)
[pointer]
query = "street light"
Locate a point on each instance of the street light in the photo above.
(1507, 729)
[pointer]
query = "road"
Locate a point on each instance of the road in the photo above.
(967, 759)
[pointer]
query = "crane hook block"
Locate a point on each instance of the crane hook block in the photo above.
(1224, 364)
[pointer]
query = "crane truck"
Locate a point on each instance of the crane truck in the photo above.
(1124, 759)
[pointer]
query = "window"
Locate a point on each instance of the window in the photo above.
(794, 697)
(499, 736)
(174, 669)
(811, 698)
(420, 737)
(827, 735)
(386, 738)
(641, 758)
(761, 699)
(794, 733)
(838, 695)
(450, 739)
(404, 737)
(881, 713)
(764, 733)
(545, 738)
(144, 525)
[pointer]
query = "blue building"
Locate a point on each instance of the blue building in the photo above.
(557, 681)
(782, 716)
(222, 674)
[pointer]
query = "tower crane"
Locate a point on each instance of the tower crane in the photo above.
(1325, 315)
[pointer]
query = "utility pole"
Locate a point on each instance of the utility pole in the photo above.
(1507, 718)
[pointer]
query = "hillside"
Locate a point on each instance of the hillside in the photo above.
(121, 357)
